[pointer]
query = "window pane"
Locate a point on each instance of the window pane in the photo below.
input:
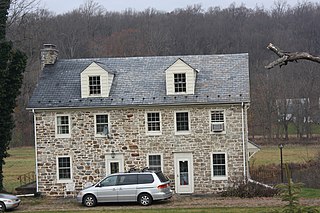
(127, 179)
(155, 162)
(63, 124)
(219, 164)
(64, 168)
(145, 178)
(153, 120)
(101, 123)
(94, 85)
(217, 116)
(114, 167)
(182, 121)
(180, 82)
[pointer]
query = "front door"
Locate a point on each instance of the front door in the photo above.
(114, 163)
(183, 172)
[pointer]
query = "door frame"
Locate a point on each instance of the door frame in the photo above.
(183, 156)
(113, 158)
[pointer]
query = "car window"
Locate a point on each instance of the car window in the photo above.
(162, 177)
(127, 179)
(145, 178)
(109, 181)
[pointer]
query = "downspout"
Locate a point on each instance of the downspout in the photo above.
(244, 144)
(35, 149)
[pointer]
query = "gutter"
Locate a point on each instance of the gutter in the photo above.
(35, 148)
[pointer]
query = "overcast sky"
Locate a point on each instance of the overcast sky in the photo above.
(62, 6)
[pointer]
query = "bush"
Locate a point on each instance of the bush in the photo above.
(249, 190)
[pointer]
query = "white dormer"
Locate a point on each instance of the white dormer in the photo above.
(180, 78)
(96, 81)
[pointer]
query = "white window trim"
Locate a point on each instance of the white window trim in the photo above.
(56, 126)
(94, 95)
(146, 124)
(71, 170)
(161, 156)
(174, 88)
(175, 123)
(224, 122)
(95, 125)
(225, 177)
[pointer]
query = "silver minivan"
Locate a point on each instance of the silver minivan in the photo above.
(142, 187)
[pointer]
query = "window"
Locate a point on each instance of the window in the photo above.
(154, 162)
(94, 85)
(62, 126)
(153, 121)
(145, 178)
(217, 121)
(127, 179)
(64, 169)
(182, 122)
(219, 166)
(180, 83)
(109, 181)
(102, 124)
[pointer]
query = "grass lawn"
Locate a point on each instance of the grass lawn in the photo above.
(291, 154)
(310, 193)
(21, 161)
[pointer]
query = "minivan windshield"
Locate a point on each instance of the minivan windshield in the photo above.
(162, 177)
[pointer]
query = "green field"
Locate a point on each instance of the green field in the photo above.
(21, 161)
(291, 154)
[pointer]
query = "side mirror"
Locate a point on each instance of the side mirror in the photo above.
(98, 185)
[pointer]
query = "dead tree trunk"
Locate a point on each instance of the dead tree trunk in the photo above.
(285, 57)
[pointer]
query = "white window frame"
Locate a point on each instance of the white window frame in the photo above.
(161, 159)
(222, 177)
(95, 125)
(56, 126)
(174, 85)
(175, 123)
(211, 122)
(97, 94)
(146, 124)
(69, 180)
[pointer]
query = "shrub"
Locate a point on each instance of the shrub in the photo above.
(249, 190)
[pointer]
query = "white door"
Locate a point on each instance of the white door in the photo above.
(114, 163)
(183, 163)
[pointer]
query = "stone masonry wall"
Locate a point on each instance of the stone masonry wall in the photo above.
(128, 136)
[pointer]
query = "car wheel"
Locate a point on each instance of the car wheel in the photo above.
(89, 200)
(2, 207)
(145, 199)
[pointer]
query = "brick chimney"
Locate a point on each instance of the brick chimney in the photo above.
(49, 55)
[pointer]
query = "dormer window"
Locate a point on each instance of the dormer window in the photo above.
(94, 85)
(96, 80)
(180, 78)
(180, 82)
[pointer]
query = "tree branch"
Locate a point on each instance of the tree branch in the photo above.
(285, 57)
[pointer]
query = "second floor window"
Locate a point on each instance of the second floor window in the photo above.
(102, 124)
(182, 121)
(62, 126)
(94, 85)
(153, 122)
(180, 83)
(217, 121)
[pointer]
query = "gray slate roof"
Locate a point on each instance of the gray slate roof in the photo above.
(140, 81)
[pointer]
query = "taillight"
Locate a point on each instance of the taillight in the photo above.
(163, 186)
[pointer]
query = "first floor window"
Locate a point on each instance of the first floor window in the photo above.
(219, 165)
(62, 125)
(182, 121)
(154, 162)
(102, 124)
(64, 168)
(153, 122)
(94, 85)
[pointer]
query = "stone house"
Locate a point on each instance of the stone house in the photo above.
(185, 115)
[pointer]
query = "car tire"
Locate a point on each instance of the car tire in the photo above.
(145, 199)
(2, 207)
(89, 201)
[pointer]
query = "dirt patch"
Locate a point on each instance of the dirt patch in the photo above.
(178, 201)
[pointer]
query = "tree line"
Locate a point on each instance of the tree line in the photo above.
(93, 31)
